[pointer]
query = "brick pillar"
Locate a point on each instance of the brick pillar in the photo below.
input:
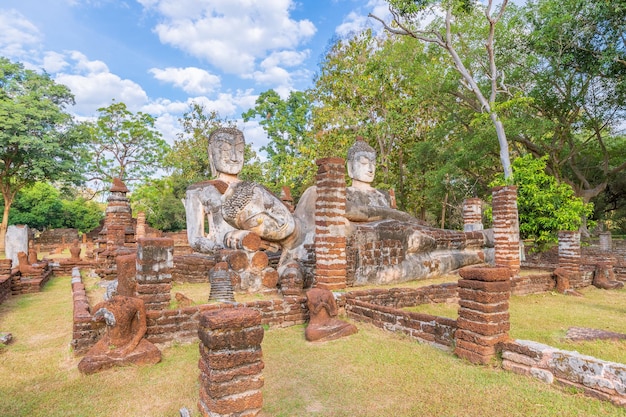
(330, 233)
(140, 231)
(569, 256)
(155, 260)
(126, 274)
(606, 241)
(231, 362)
(506, 228)
(483, 321)
(472, 214)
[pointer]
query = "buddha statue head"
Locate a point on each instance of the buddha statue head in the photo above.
(250, 206)
(226, 150)
(361, 163)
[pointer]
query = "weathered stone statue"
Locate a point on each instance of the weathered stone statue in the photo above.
(203, 202)
(365, 203)
(123, 343)
(388, 245)
(323, 322)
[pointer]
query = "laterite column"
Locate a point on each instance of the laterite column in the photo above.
(231, 363)
(472, 214)
(506, 228)
(155, 260)
(483, 320)
(570, 256)
(330, 233)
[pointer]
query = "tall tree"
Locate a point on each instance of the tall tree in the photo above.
(287, 124)
(408, 20)
(36, 143)
(124, 144)
(575, 61)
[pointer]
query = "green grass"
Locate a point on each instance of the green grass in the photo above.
(372, 373)
(545, 318)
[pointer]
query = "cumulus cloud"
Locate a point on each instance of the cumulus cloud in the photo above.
(94, 86)
(18, 37)
(230, 34)
(192, 80)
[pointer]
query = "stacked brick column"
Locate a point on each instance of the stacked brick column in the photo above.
(506, 228)
(231, 363)
(483, 321)
(606, 241)
(472, 214)
(569, 256)
(155, 260)
(140, 231)
(330, 234)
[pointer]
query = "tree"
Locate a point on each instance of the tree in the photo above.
(161, 201)
(574, 62)
(407, 16)
(287, 124)
(36, 140)
(124, 145)
(545, 205)
(43, 206)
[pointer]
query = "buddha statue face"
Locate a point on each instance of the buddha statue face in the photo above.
(226, 149)
(362, 167)
(250, 206)
(361, 163)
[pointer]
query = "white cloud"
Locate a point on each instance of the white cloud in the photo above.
(18, 36)
(230, 34)
(94, 86)
(192, 80)
(357, 21)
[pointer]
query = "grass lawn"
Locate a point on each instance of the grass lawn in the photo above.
(372, 373)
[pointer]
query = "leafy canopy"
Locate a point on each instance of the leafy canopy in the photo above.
(545, 205)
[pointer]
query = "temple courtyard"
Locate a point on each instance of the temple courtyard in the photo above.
(371, 373)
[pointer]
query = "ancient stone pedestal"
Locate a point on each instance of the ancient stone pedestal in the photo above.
(569, 256)
(155, 260)
(483, 321)
(231, 363)
(330, 234)
(221, 284)
(472, 214)
(506, 228)
(16, 241)
(323, 322)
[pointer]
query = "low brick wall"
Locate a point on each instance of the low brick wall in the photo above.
(533, 283)
(181, 325)
(29, 285)
(192, 268)
(407, 297)
(423, 327)
(597, 378)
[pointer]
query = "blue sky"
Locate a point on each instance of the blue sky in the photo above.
(158, 56)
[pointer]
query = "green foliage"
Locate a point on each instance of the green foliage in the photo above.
(189, 156)
(161, 201)
(287, 124)
(124, 144)
(36, 139)
(545, 206)
(41, 206)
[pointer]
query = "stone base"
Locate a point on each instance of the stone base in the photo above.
(335, 329)
(99, 357)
